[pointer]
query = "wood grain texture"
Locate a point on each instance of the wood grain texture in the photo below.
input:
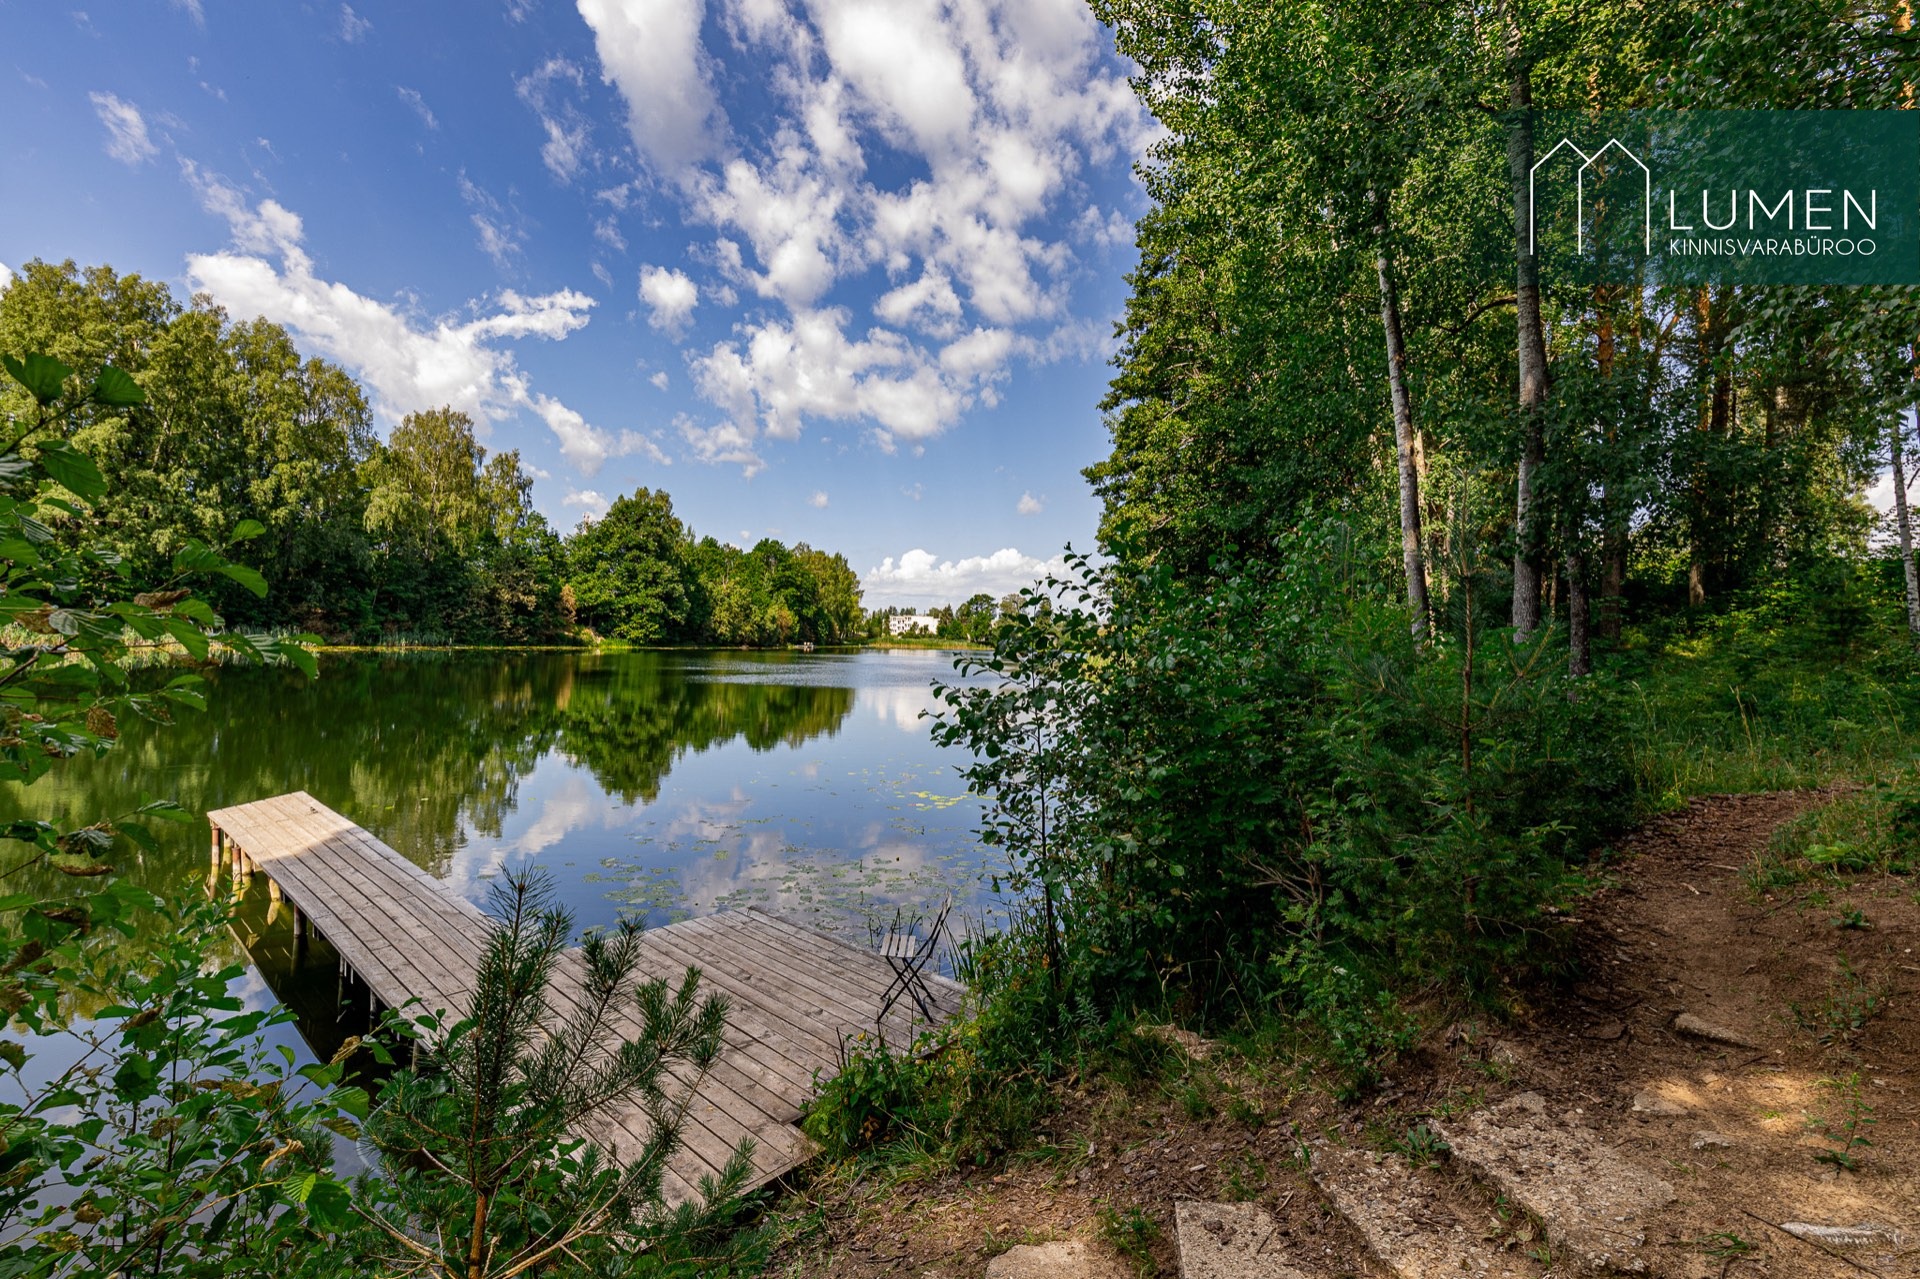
(794, 993)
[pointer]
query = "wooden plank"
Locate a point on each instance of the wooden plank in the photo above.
(792, 991)
(815, 1043)
(849, 1009)
(779, 1053)
(433, 977)
(862, 976)
(762, 1077)
(838, 945)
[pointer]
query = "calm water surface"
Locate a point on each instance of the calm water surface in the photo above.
(660, 785)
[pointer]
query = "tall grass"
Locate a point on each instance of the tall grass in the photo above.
(1790, 687)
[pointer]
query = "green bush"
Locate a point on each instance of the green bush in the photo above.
(1255, 791)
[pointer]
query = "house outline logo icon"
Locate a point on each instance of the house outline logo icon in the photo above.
(1580, 193)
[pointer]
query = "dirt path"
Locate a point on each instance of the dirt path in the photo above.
(1828, 1010)
(1736, 1130)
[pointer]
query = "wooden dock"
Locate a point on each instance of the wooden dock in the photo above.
(794, 992)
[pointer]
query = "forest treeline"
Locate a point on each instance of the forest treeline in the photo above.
(1424, 575)
(424, 536)
(1337, 309)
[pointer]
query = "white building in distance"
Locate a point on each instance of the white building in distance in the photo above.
(912, 623)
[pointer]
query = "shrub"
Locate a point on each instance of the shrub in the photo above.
(1254, 789)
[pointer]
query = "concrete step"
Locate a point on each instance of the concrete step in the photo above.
(1228, 1241)
(1411, 1220)
(1594, 1204)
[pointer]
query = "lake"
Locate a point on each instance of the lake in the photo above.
(653, 784)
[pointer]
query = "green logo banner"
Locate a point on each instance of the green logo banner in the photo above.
(1738, 197)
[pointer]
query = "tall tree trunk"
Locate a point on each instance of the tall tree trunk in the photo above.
(1530, 347)
(1613, 519)
(1904, 525)
(1715, 420)
(1404, 438)
(1579, 646)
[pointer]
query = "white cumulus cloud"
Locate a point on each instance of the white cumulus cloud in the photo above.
(671, 297)
(651, 50)
(1030, 505)
(353, 27)
(127, 139)
(408, 361)
(919, 578)
(819, 499)
(591, 502)
(940, 147)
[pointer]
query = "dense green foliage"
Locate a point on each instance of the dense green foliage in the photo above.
(168, 1138)
(163, 1136)
(1299, 757)
(639, 575)
(423, 536)
(1694, 441)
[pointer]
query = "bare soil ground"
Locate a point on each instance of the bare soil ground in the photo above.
(1827, 1008)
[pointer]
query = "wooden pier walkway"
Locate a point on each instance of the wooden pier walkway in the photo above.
(794, 992)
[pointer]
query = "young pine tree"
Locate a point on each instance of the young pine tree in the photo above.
(484, 1174)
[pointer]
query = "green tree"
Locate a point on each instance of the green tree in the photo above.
(484, 1172)
(429, 496)
(628, 569)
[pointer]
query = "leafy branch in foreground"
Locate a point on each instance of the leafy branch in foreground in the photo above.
(146, 1125)
(72, 624)
(167, 1137)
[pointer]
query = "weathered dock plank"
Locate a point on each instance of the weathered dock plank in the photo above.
(795, 994)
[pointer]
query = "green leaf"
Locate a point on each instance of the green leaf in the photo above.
(190, 637)
(42, 375)
(187, 697)
(113, 387)
(293, 653)
(353, 1100)
(328, 1204)
(194, 557)
(72, 469)
(247, 577)
(165, 809)
(196, 610)
(247, 530)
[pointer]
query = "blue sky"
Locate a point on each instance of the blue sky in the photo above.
(841, 271)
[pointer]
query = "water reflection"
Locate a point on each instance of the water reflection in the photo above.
(658, 783)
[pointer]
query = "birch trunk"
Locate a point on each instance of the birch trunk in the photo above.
(1531, 349)
(1903, 524)
(1411, 552)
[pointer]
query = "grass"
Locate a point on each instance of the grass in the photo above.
(1724, 1245)
(1850, 1003)
(1847, 1125)
(1131, 1233)
(920, 641)
(1863, 832)
(1788, 687)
